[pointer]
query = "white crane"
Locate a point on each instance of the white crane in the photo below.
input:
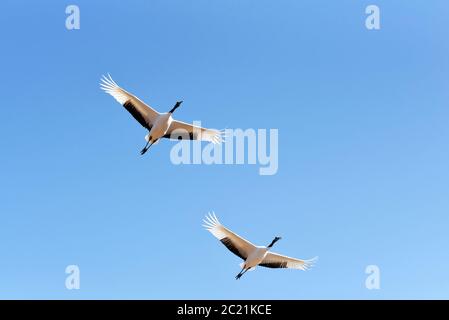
(159, 125)
(252, 255)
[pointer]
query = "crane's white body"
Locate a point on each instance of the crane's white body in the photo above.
(254, 258)
(252, 255)
(160, 127)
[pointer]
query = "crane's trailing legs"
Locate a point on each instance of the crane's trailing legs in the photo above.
(241, 273)
(145, 149)
(147, 146)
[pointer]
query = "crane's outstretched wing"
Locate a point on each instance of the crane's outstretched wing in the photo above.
(275, 260)
(143, 113)
(179, 130)
(236, 244)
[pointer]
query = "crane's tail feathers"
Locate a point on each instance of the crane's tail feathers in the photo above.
(242, 265)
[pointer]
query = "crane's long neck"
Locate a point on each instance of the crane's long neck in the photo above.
(276, 239)
(178, 103)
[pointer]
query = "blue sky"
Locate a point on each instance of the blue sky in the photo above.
(363, 148)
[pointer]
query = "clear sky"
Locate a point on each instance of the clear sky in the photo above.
(363, 148)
